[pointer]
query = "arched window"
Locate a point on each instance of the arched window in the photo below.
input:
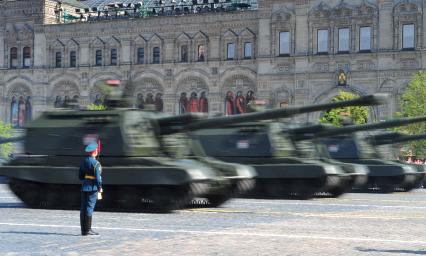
(193, 105)
(229, 103)
(73, 59)
(98, 58)
(58, 102)
(140, 102)
(156, 55)
(141, 55)
(201, 52)
(113, 57)
(149, 99)
(183, 103)
(203, 104)
(14, 57)
(158, 102)
(237, 103)
(26, 57)
(14, 112)
(184, 53)
(28, 109)
(20, 111)
(58, 59)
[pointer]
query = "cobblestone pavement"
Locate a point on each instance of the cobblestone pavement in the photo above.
(355, 224)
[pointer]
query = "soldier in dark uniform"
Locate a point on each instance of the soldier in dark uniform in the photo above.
(90, 176)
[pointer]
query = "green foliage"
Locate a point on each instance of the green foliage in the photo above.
(96, 107)
(413, 104)
(5, 149)
(358, 115)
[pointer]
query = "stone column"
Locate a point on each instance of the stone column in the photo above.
(214, 48)
(125, 57)
(264, 38)
(385, 29)
(40, 48)
(84, 58)
(168, 50)
(302, 28)
(3, 60)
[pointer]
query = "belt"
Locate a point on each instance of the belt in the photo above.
(90, 177)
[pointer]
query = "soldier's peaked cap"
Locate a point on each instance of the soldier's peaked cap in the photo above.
(91, 147)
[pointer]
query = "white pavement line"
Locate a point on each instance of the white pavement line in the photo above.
(250, 234)
(382, 200)
(8, 197)
(348, 205)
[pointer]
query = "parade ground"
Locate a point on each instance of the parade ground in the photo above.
(355, 224)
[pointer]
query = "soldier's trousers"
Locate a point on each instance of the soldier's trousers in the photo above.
(88, 202)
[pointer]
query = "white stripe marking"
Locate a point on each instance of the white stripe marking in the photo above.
(252, 234)
(325, 204)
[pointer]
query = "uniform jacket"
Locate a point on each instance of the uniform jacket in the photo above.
(91, 167)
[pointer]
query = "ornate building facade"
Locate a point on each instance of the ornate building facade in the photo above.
(287, 52)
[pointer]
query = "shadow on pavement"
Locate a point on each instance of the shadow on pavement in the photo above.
(12, 205)
(392, 251)
(38, 233)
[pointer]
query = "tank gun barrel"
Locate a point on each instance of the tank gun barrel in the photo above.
(393, 138)
(8, 140)
(175, 124)
(325, 131)
(181, 119)
(217, 122)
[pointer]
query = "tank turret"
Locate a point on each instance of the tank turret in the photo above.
(9, 140)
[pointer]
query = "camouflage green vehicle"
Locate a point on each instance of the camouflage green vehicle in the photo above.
(345, 144)
(175, 143)
(304, 141)
(280, 172)
(397, 138)
(137, 172)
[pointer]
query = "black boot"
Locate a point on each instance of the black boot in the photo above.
(83, 224)
(90, 232)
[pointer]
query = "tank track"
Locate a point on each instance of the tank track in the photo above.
(237, 187)
(389, 184)
(287, 188)
(115, 198)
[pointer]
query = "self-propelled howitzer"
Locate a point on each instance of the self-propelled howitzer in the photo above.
(396, 138)
(175, 143)
(240, 139)
(307, 148)
(137, 174)
(343, 145)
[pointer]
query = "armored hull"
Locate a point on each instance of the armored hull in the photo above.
(137, 176)
(356, 175)
(278, 176)
(384, 176)
(129, 184)
(133, 157)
